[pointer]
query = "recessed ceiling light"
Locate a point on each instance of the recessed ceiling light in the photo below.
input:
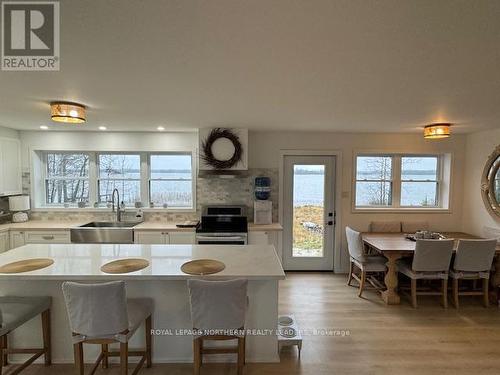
(102, 128)
(160, 128)
(70, 113)
(44, 127)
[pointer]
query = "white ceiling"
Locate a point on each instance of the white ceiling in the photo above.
(351, 65)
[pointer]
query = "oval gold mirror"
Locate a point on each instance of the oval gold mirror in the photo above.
(490, 183)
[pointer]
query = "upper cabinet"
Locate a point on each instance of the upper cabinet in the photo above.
(10, 166)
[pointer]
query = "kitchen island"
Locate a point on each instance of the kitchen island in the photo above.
(162, 280)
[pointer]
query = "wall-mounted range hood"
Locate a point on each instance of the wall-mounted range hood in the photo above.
(224, 144)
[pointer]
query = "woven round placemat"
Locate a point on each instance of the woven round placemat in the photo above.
(125, 265)
(26, 265)
(202, 267)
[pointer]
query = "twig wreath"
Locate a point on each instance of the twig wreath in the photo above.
(208, 156)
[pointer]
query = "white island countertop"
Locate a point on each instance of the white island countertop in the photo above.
(83, 261)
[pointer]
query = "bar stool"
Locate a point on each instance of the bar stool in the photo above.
(16, 311)
(101, 314)
(218, 312)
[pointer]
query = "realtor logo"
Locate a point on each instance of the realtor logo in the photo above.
(30, 35)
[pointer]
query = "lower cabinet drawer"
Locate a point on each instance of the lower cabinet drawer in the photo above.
(47, 237)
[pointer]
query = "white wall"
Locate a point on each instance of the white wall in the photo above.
(104, 141)
(264, 152)
(8, 133)
(479, 146)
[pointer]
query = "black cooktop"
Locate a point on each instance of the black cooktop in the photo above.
(223, 224)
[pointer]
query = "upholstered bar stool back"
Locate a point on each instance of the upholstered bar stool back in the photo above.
(97, 309)
(15, 312)
(221, 306)
(101, 314)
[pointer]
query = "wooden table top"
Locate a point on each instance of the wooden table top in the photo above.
(396, 242)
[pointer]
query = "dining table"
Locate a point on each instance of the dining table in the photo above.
(395, 246)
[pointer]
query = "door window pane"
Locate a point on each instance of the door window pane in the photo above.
(308, 210)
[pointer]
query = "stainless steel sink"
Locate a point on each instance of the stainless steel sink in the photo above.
(104, 232)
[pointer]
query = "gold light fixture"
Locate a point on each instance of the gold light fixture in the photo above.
(69, 113)
(437, 130)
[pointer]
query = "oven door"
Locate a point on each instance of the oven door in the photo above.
(219, 239)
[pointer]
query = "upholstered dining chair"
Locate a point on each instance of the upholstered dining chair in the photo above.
(218, 312)
(101, 314)
(385, 226)
(16, 311)
(431, 261)
(358, 259)
(473, 261)
(414, 226)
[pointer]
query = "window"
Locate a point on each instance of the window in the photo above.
(122, 172)
(66, 178)
(401, 181)
(374, 181)
(419, 181)
(171, 180)
(62, 178)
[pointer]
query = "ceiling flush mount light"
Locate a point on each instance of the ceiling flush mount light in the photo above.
(66, 112)
(437, 130)
(44, 127)
(102, 128)
(160, 128)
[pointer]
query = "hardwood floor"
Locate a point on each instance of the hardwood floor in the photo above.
(383, 339)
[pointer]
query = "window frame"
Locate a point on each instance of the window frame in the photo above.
(45, 177)
(397, 183)
(193, 177)
(39, 178)
(99, 179)
(391, 181)
(438, 179)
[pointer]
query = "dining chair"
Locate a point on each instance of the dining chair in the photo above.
(15, 312)
(385, 226)
(102, 314)
(218, 312)
(414, 226)
(473, 261)
(365, 263)
(431, 261)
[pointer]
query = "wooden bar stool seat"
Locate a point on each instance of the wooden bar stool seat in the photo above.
(101, 314)
(16, 311)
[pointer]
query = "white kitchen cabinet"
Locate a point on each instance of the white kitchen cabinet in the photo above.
(265, 238)
(151, 237)
(16, 239)
(164, 238)
(48, 237)
(20, 238)
(10, 167)
(182, 238)
(4, 241)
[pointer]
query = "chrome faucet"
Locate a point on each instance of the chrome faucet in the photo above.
(118, 209)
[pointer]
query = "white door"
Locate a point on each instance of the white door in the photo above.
(308, 212)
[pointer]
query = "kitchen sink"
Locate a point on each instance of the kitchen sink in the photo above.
(112, 232)
(109, 224)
